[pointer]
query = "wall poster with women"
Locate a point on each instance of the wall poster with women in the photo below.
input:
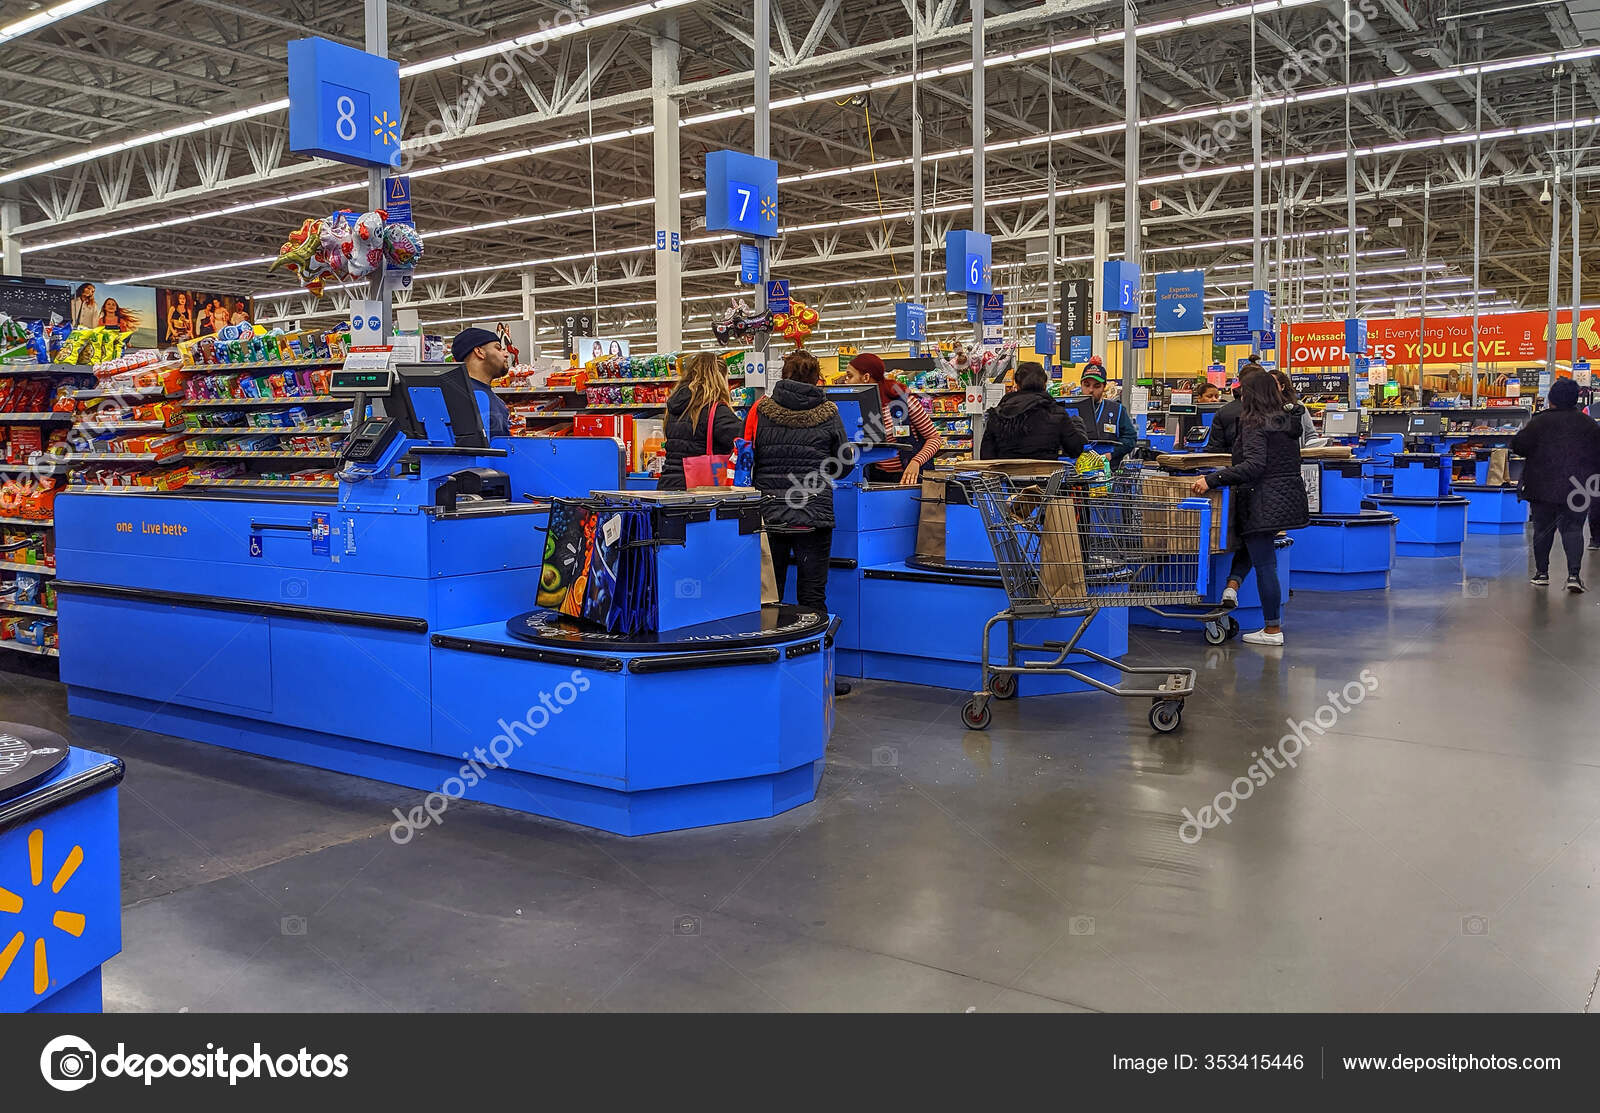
(186, 314)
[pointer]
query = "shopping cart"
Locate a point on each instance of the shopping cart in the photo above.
(1079, 546)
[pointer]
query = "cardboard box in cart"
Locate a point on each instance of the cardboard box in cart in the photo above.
(1175, 530)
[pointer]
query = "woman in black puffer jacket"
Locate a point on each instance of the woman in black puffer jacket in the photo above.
(702, 399)
(1271, 494)
(799, 450)
(798, 433)
(1028, 424)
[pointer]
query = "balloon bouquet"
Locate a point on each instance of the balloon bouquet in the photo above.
(797, 324)
(347, 245)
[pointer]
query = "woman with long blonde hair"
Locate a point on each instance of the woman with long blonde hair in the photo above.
(701, 402)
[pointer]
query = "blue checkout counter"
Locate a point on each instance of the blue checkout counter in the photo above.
(1348, 546)
(394, 634)
(914, 599)
(60, 872)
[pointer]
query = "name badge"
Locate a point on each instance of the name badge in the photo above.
(1110, 427)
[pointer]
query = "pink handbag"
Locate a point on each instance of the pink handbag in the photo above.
(708, 470)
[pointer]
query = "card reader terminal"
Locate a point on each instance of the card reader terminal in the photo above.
(367, 444)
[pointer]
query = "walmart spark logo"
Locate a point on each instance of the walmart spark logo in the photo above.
(769, 208)
(386, 129)
(70, 922)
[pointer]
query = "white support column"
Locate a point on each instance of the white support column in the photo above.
(528, 283)
(377, 36)
(1102, 252)
(762, 27)
(669, 219)
(1130, 229)
(10, 244)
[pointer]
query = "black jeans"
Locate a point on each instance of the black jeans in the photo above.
(1549, 518)
(808, 552)
(1260, 551)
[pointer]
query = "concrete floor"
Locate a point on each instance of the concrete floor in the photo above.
(1437, 849)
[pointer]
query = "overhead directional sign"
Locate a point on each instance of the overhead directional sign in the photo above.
(1231, 328)
(1181, 301)
(1076, 294)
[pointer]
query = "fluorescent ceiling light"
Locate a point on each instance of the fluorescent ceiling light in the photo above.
(44, 17)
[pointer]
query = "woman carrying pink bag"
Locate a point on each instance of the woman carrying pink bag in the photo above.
(701, 426)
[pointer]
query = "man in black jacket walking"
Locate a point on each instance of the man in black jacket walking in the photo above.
(1028, 424)
(1225, 422)
(1561, 447)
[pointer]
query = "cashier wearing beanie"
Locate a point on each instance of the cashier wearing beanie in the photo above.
(1104, 419)
(485, 360)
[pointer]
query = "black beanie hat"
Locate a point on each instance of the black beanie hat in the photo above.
(1563, 394)
(468, 339)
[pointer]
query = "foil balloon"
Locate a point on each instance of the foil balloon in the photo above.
(402, 246)
(299, 248)
(797, 324)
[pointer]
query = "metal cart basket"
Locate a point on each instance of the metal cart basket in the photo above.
(1074, 548)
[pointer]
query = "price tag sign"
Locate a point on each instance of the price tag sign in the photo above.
(755, 369)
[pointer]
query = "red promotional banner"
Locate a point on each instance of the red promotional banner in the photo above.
(1502, 338)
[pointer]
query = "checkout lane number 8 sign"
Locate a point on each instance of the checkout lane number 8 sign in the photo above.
(346, 109)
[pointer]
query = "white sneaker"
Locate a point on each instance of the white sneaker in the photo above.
(1230, 597)
(1261, 637)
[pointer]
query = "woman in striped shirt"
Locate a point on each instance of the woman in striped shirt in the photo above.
(900, 407)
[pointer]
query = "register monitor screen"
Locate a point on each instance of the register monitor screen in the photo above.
(1426, 425)
(861, 410)
(1389, 422)
(1340, 423)
(444, 403)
